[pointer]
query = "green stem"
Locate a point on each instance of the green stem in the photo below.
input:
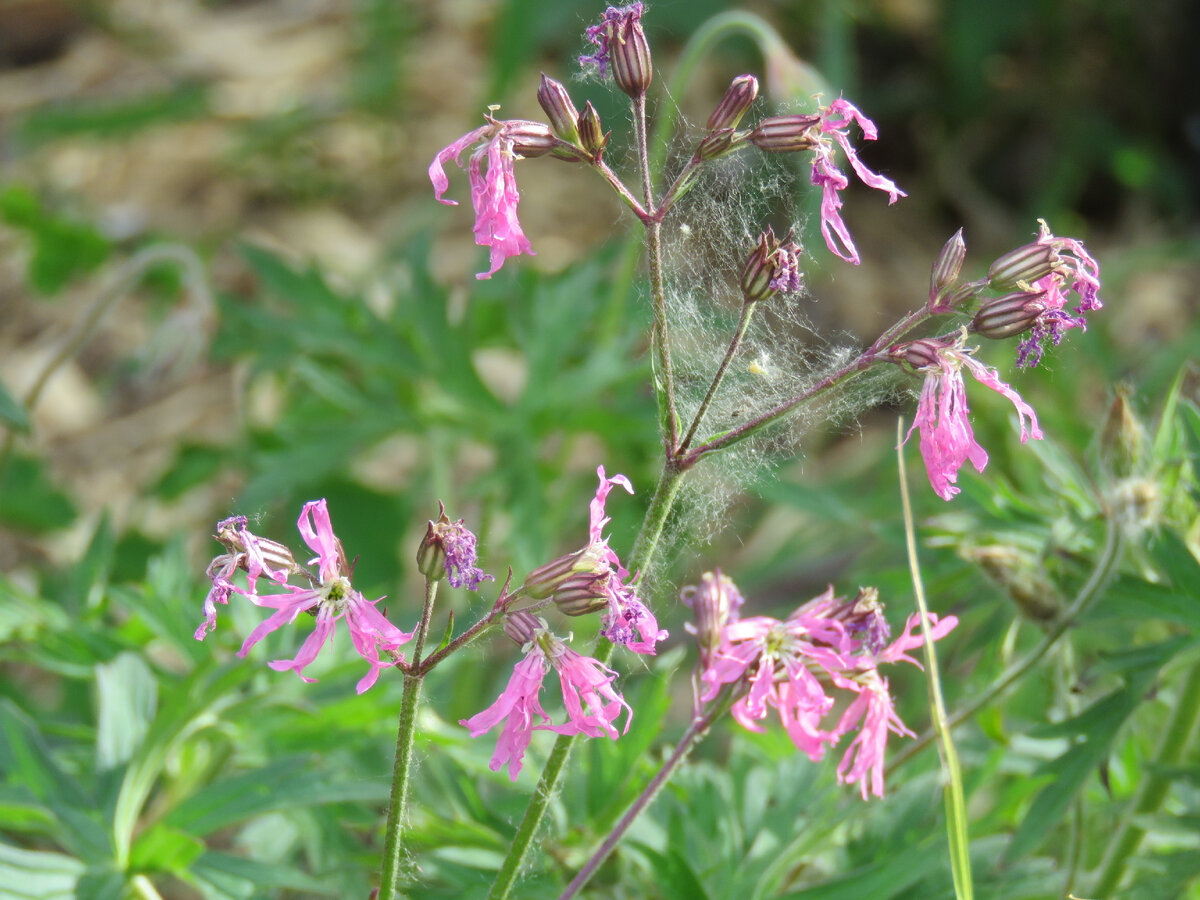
(1106, 567)
(694, 734)
(1156, 780)
(743, 324)
(393, 849)
(644, 548)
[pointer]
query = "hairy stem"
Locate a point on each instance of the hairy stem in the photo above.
(393, 850)
(476, 631)
(743, 324)
(660, 336)
(1152, 790)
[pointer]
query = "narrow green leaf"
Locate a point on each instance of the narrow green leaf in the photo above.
(164, 849)
(38, 875)
(12, 411)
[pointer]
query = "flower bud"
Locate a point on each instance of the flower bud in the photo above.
(772, 266)
(1123, 439)
(522, 626)
(1020, 576)
(1004, 317)
(945, 271)
(784, 134)
(716, 145)
(557, 104)
(1025, 265)
(530, 139)
(431, 553)
(591, 136)
(630, 52)
(738, 97)
(920, 353)
(545, 580)
(714, 603)
(582, 594)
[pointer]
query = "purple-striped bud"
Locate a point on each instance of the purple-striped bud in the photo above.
(715, 603)
(784, 134)
(716, 145)
(235, 535)
(773, 266)
(591, 136)
(1025, 265)
(1012, 314)
(945, 272)
(738, 98)
(919, 354)
(530, 139)
(523, 626)
(621, 43)
(582, 594)
(559, 109)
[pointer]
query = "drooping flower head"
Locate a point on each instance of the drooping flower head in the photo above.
(592, 704)
(593, 579)
(330, 598)
(244, 550)
(835, 123)
(448, 551)
(947, 440)
(796, 667)
(621, 43)
(494, 188)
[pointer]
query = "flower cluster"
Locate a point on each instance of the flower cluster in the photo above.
(796, 666)
(592, 578)
(329, 597)
(947, 439)
(591, 703)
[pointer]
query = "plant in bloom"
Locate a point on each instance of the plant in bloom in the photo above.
(591, 703)
(942, 417)
(789, 665)
(330, 598)
(1075, 270)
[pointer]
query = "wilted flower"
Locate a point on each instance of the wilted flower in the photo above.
(591, 702)
(244, 550)
(835, 123)
(331, 598)
(621, 43)
(448, 550)
(1075, 270)
(947, 440)
(494, 191)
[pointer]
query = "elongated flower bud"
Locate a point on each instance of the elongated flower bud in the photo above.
(1123, 440)
(530, 139)
(1025, 265)
(945, 271)
(582, 594)
(715, 602)
(559, 109)
(738, 98)
(621, 43)
(716, 145)
(784, 134)
(591, 136)
(522, 626)
(1012, 314)
(918, 354)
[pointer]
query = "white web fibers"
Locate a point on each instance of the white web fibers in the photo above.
(706, 238)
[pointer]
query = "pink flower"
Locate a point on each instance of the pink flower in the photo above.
(947, 440)
(864, 758)
(793, 666)
(591, 703)
(494, 190)
(1075, 270)
(330, 599)
(835, 123)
